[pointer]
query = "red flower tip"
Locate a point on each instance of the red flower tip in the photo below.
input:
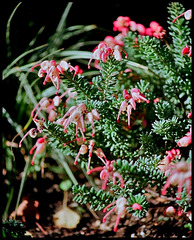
(136, 206)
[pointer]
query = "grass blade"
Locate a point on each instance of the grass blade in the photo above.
(7, 35)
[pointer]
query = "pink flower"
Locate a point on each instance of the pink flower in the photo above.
(32, 132)
(90, 117)
(130, 102)
(51, 71)
(189, 115)
(141, 29)
(40, 148)
(187, 50)
(137, 96)
(156, 100)
(171, 155)
(179, 174)
(119, 208)
(133, 26)
(91, 146)
(49, 105)
(187, 15)
(78, 70)
(107, 171)
(83, 150)
(76, 115)
(103, 52)
(170, 211)
(44, 103)
(154, 25)
(186, 140)
(119, 39)
(121, 24)
(149, 32)
(136, 206)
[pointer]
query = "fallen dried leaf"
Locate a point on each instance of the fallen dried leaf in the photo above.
(66, 218)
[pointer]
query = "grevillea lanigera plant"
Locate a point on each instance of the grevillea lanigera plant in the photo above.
(129, 125)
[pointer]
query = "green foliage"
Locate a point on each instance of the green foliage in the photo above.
(180, 33)
(12, 228)
(139, 174)
(158, 70)
(141, 200)
(157, 56)
(168, 128)
(97, 199)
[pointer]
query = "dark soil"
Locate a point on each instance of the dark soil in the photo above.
(45, 190)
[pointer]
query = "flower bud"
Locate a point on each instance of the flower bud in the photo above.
(170, 211)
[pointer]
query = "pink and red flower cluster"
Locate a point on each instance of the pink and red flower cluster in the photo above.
(52, 71)
(171, 155)
(179, 174)
(76, 115)
(103, 52)
(125, 24)
(120, 209)
(107, 171)
(130, 102)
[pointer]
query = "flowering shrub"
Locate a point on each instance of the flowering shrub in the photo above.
(136, 112)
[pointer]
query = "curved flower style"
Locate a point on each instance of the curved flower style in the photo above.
(44, 104)
(34, 131)
(84, 149)
(76, 115)
(187, 15)
(51, 71)
(40, 148)
(180, 174)
(107, 171)
(130, 102)
(119, 208)
(49, 105)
